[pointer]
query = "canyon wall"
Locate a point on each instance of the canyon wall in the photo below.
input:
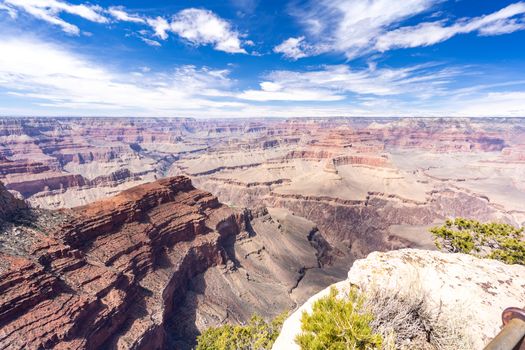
(366, 183)
(320, 194)
(149, 268)
(110, 274)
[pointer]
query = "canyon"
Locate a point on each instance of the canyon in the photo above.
(147, 269)
(141, 233)
(362, 181)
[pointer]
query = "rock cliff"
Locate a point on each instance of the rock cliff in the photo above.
(8, 203)
(150, 268)
(462, 290)
(110, 274)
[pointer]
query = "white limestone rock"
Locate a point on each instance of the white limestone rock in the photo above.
(465, 290)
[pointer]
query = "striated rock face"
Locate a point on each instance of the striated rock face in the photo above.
(472, 292)
(109, 277)
(8, 203)
(275, 265)
(150, 268)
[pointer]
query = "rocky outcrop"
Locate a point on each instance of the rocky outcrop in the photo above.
(8, 167)
(513, 154)
(469, 292)
(109, 277)
(8, 203)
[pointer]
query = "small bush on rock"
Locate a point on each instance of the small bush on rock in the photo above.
(256, 335)
(380, 318)
(338, 323)
(485, 240)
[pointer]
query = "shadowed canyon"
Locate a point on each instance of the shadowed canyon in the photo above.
(142, 233)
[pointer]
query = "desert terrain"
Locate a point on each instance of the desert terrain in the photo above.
(141, 233)
(357, 179)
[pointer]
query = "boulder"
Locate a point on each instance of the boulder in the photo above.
(461, 289)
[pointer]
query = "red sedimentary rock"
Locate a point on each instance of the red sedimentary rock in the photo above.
(8, 167)
(109, 277)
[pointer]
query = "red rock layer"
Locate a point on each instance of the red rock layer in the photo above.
(8, 167)
(108, 278)
(28, 186)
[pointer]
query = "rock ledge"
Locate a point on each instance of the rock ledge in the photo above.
(459, 287)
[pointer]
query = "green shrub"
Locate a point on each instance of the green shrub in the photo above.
(256, 335)
(486, 240)
(338, 323)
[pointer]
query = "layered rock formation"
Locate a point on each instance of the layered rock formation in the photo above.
(462, 290)
(274, 266)
(150, 268)
(110, 275)
(363, 184)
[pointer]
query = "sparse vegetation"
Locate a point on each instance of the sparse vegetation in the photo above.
(486, 240)
(379, 319)
(338, 323)
(256, 335)
(407, 321)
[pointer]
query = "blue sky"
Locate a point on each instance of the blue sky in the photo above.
(252, 58)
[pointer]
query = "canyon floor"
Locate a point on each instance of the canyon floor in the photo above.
(230, 217)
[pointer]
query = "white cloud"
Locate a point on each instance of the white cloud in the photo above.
(10, 11)
(359, 27)
(424, 34)
(280, 93)
(119, 13)
(294, 48)
(203, 27)
(51, 80)
(350, 26)
(160, 27)
(52, 77)
(492, 104)
(333, 83)
(197, 26)
(49, 10)
(150, 42)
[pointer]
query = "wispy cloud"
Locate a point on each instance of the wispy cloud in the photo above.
(195, 26)
(160, 27)
(492, 104)
(294, 48)
(49, 11)
(119, 13)
(203, 27)
(150, 42)
(50, 76)
(350, 26)
(504, 21)
(360, 27)
(333, 83)
(10, 10)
